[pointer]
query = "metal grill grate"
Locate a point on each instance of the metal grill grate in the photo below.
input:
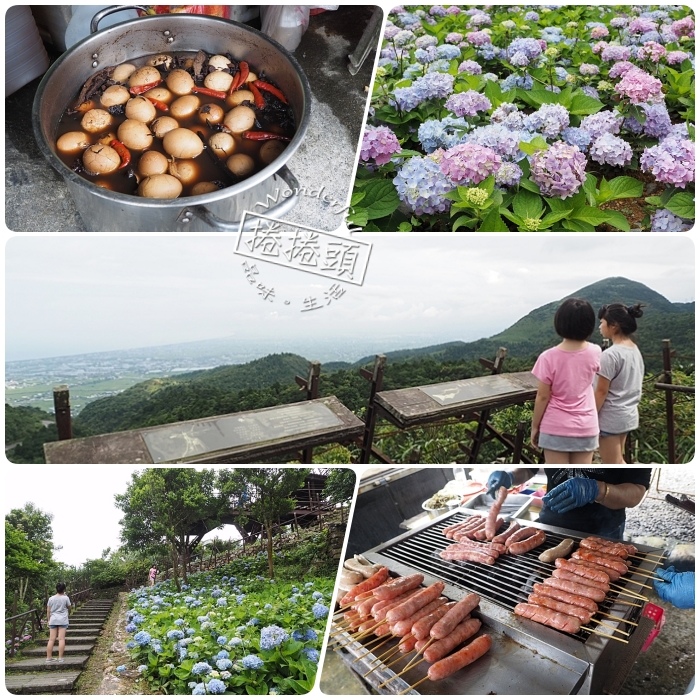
(508, 582)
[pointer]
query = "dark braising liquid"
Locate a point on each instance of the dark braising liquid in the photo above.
(275, 117)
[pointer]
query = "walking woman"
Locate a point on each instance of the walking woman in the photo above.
(618, 388)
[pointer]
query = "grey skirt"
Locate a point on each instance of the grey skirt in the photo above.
(559, 443)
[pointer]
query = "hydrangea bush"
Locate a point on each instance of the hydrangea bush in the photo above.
(517, 118)
(228, 632)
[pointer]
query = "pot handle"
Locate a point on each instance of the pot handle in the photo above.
(94, 23)
(275, 212)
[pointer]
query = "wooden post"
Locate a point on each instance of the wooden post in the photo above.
(668, 379)
(376, 378)
(518, 443)
(61, 404)
(310, 385)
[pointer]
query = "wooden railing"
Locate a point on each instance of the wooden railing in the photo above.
(16, 628)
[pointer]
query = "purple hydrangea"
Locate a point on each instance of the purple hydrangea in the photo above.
(590, 91)
(559, 171)
(425, 88)
(423, 42)
(468, 104)
(576, 136)
(641, 25)
(667, 222)
(588, 69)
(639, 87)
(437, 11)
(479, 18)
(478, 38)
(684, 27)
(675, 57)
(529, 48)
(605, 122)
(421, 186)
(611, 150)
(379, 143)
(620, 68)
(403, 37)
(454, 38)
(469, 163)
(531, 16)
(469, 67)
(613, 52)
(658, 122)
(618, 22)
(508, 175)
(672, 161)
(391, 30)
(549, 119)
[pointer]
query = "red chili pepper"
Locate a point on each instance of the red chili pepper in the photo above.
(140, 89)
(158, 104)
(123, 151)
(240, 77)
(263, 136)
(259, 99)
(271, 89)
(218, 94)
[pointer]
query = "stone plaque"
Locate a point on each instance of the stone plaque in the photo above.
(472, 389)
(197, 438)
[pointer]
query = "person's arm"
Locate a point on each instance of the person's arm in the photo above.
(615, 496)
(601, 392)
(544, 394)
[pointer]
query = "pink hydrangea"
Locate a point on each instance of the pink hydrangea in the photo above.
(478, 38)
(615, 52)
(620, 68)
(599, 46)
(469, 163)
(651, 50)
(641, 25)
(599, 32)
(671, 161)
(675, 57)
(559, 171)
(684, 27)
(379, 144)
(640, 87)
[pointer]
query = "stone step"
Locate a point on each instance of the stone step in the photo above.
(79, 631)
(86, 623)
(86, 619)
(71, 649)
(34, 683)
(70, 662)
(78, 639)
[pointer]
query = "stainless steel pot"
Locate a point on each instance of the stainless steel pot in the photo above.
(104, 210)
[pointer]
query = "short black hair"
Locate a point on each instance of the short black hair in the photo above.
(624, 317)
(60, 587)
(575, 319)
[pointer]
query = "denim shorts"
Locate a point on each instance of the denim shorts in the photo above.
(53, 627)
(560, 443)
(604, 434)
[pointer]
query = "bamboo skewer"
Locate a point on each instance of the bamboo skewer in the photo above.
(411, 687)
(609, 625)
(617, 601)
(643, 585)
(621, 619)
(630, 594)
(645, 573)
(602, 634)
(385, 639)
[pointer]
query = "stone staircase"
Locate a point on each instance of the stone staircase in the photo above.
(32, 675)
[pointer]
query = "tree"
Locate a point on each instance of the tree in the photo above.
(264, 495)
(340, 486)
(174, 506)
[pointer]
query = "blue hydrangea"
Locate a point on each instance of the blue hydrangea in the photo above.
(252, 662)
(295, 589)
(531, 16)
(189, 599)
(142, 668)
(157, 646)
(221, 640)
(310, 654)
(222, 654)
(142, 638)
(201, 668)
(221, 603)
(448, 51)
(317, 595)
(175, 634)
(530, 48)
(508, 174)
(121, 668)
(272, 636)
(240, 598)
(488, 52)
(421, 186)
(423, 57)
(190, 631)
(319, 610)
(423, 42)
(498, 137)
(430, 86)
(443, 133)
(590, 91)
(182, 653)
(667, 222)
(235, 641)
(517, 81)
(441, 65)
(179, 622)
(267, 606)
(199, 689)
(131, 627)
(185, 587)
(611, 150)
(216, 687)
(130, 645)
(311, 635)
(224, 664)
(216, 593)
(298, 636)
(576, 136)
(549, 119)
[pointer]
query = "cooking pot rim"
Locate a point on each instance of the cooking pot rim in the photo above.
(192, 200)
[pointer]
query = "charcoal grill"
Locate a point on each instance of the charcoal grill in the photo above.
(526, 658)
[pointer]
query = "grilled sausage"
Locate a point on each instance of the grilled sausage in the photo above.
(631, 549)
(380, 605)
(586, 591)
(404, 626)
(579, 601)
(486, 547)
(575, 578)
(583, 571)
(442, 647)
(551, 618)
(462, 524)
(458, 613)
(495, 509)
(563, 549)
(612, 574)
(539, 538)
(369, 584)
(554, 604)
(619, 552)
(407, 644)
(522, 534)
(364, 607)
(468, 555)
(610, 563)
(350, 578)
(398, 586)
(421, 628)
(366, 569)
(453, 663)
(501, 539)
(415, 602)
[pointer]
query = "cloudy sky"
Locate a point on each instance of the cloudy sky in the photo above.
(76, 294)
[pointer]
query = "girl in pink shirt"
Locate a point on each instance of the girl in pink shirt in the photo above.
(565, 419)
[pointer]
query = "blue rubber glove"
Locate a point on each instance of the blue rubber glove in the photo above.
(677, 588)
(573, 493)
(498, 479)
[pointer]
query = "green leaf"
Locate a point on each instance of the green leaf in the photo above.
(588, 215)
(556, 204)
(407, 154)
(358, 217)
(405, 226)
(619, 188)
(493, 91)
(537, 144)
(637, 112)
(493, 223)
(577, 226)
(553, 217)
(654, 201)
(381, 199)
(616, 219)
(464, 221)
(527, 184)
(356, 198)
(487, 184)
(511, 217)
(583, 105)
(682, 204)
(528, 205)
(589, 187)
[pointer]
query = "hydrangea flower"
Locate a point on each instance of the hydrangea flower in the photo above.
(216, 687)
(479, 38)
(252, 662)
(448, 51)
(311, 654)
(175, 634)
(201, 668)
(421, 186)
(454, 38)
(142, 668)
(588, 69)
(532, 48)
(468, 104)
(559, 171)
(142, 638)
(121, 669)
(620, 68)
(504, 141)
(319, 610)
(224, 664)
(508, 175)
(423, 42)
(428, 87)
(675, 57)
(599, 32)
(469, 67)
(549, 119)
(651, 50)
(613, 52)
(641, 25)
(531, 16)
(658, 122)
(604, 122)
(672, 161)
(611, 150)
(272, 636)
(131, 627)
(221, 603)
(423, 56)
(403, 37)
(379, 144)
(517, 81)
(684, 27)
(639, 87)
(667, 222)
(469, 163)
(199, 689)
